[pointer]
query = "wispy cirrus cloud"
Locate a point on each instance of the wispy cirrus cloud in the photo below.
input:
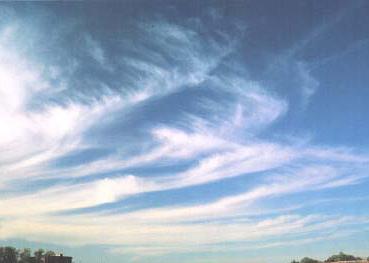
(219, 129)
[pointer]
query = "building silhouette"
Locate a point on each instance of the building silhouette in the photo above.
(58, 259)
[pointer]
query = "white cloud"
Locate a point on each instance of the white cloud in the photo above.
(172, 236)
(307, 179)
(65, 197)
(95, 50)
(221, 144)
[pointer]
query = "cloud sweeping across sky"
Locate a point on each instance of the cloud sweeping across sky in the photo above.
(191, 132)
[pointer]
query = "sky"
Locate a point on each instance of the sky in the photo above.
(185, 131)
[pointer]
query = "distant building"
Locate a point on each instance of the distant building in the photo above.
(58, 259)
(51, 259)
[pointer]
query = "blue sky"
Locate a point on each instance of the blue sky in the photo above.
(185, 131)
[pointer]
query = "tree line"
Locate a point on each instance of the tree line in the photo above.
(25, 255)
(334, 258)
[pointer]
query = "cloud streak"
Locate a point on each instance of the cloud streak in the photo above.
(174, 116)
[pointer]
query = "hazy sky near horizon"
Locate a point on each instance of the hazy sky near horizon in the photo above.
(185, 131)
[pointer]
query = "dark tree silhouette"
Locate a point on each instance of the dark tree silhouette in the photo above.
(8, 255)
(24, 255)
(309, 260)
(12, 255)
(342, 257)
